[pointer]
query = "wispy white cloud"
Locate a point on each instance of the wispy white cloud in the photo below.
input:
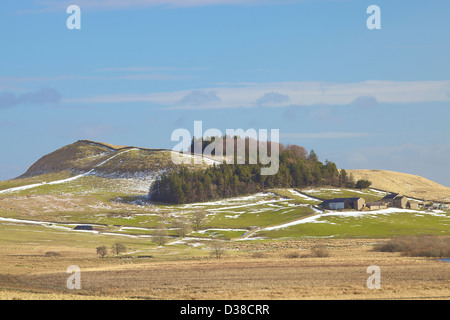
(272, 99)
(148, 69)
(249, 95)
(200, 98)
(325, 135)
(101, 5)
(133, 76)
(106, 74)
(365, 102)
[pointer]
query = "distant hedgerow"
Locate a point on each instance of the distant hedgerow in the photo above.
(418, 246)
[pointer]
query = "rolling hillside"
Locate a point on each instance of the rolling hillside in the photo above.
(85, 155)
(138, 167)
(88, 159)
(107, 187)
(407, 184)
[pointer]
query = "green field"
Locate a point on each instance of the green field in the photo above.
(117, 210)
(367, 226)
(331, 193)
(113, 198)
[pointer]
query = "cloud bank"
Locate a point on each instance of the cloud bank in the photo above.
(325, 135)
(200, 98)
(283, 94)
(41, 97)
(273, 99)
(101, 5)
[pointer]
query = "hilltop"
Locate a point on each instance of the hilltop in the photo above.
(109, 167)
(410, 185)
(86, 158)
(85, 155)
(105, 160)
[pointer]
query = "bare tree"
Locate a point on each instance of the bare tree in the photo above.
(118, 248)
(198, 219)
(183, 227)
(102, 251)
(161, 235)
(163, 216)
(218, 248)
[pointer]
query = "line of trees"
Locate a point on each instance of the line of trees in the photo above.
(297, 169)
(117, 248)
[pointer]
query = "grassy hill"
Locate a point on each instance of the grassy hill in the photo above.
(104, 160)
(85, 155)
(407, 184)
(107, 185)
(95, 159)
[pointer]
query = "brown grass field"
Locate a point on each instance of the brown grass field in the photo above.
(249, 270)
(403, 183)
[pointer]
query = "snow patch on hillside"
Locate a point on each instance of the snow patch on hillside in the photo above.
(315, 218)
(191, 158)
(92, 171)
(303, 196)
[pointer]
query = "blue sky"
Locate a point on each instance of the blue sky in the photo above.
(139, 69)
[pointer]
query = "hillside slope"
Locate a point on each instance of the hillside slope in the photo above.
(143, 165)
(86, 158)
(403, 183)
(84, 155)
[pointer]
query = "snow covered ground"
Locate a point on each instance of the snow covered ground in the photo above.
(315, 218)
(250, 204)
(63, 180)
(180, 157)
(229, 202)
(303, 196)
(139, 182)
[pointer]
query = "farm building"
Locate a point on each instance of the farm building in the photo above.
(376, 205)
(395, 200)
(414, 205)
(399, 201)
(344, 203)
(389, 199)
(84, 227)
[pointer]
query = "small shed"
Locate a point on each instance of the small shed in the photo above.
(376, 205)
(414, 205)
(395, 200)
(84, 227)
(344, 203)
(400, 202)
